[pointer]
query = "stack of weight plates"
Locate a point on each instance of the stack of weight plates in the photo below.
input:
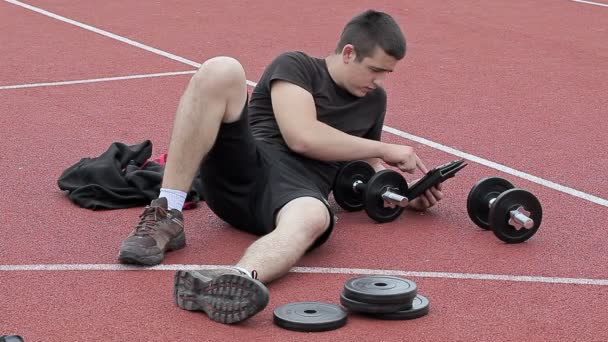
(384, 297)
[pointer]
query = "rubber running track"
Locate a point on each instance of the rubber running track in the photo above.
(519, 83)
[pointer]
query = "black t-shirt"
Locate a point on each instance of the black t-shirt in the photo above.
(336, 107)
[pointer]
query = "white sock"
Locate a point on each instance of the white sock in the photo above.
(175, 198)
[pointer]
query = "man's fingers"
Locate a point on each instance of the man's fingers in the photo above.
(420, 165)
(404, 167)
(430, 197)
(437, 193)
(425, 201)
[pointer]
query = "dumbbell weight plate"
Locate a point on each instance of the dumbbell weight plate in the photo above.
(344, 193)
(377, 185)
(500, 215)
(480, 196)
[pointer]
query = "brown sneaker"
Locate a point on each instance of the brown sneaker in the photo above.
(226, 295)
(158, 231)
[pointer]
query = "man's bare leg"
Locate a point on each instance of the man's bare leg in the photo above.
(299, 223)
(215, 94)
(228, 296)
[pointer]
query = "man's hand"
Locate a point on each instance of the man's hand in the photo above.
(427, 199)
(406, 160)
(402, 157)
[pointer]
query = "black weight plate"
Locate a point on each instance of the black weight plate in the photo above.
(310, 316)
(344, 193)
(377, 185)
(380, 290)
(368, 308)
(500, 215)
(420, 307)
(480, 196)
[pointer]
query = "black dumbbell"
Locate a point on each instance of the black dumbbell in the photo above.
(381, 194)
(513, 214)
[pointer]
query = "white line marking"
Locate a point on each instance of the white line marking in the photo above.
(552, 185)
(111, 35)
(93, 80)
(316, 270)
(105, 33)
(591, 3)
(500, 167)
(449, 275)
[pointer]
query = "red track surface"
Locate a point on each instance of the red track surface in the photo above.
(36, 49)
(511, 83)
(478, 75)
(137, 306)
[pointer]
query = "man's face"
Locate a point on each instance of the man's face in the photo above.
(368, 74)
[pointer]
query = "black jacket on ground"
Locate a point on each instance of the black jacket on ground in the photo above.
(122, 177)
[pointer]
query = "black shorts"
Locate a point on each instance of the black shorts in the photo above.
(246, 182)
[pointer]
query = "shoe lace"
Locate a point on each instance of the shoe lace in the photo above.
(149, 220)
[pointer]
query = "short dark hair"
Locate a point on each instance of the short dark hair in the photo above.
(371, 29)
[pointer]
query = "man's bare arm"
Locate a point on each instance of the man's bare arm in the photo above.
(296, 116)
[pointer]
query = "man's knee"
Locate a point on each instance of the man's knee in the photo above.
(310, 215)
(223, 79)
(220, 73)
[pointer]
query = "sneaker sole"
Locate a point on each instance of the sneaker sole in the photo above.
(229, 298)
(132, 256)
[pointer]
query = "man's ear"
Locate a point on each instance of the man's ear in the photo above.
(348, 53)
